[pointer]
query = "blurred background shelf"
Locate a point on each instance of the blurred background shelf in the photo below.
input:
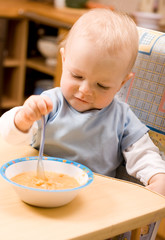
(38, 63)
(8, 102)
(9, 62)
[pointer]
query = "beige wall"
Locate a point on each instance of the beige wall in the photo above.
(135, 5)
(128, 6)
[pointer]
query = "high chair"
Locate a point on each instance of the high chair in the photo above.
(145, 93)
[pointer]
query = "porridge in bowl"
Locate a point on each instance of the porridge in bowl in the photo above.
(52, 181)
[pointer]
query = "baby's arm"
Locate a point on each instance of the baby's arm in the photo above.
(32, 110)
(144, 162)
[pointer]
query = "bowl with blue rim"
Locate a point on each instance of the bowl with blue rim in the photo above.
(47, 197)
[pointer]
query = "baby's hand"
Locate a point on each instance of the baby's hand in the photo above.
(157, 183)
(32, 110)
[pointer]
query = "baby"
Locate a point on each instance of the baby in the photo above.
(84, 120)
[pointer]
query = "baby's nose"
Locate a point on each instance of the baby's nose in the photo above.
(85, 88)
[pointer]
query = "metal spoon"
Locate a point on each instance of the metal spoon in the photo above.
(40, 167)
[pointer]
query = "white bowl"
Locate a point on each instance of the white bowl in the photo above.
(48, 47)
(42, 197)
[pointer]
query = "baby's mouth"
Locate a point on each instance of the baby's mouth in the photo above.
(81, 100)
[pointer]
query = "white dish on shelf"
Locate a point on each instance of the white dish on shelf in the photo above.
(48, 47)
(59, 3)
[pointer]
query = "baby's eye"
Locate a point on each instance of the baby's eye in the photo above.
(101, 86)
(77, 76)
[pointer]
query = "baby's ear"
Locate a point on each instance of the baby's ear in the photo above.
(129, 76)
(62, 52)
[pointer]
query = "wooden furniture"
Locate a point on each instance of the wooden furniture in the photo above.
(14, 63)
(19, 13)
(106, 208)
(3, 29)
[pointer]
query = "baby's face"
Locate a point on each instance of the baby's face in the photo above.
(90, 77)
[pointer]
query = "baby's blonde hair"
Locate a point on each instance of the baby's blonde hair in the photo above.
(112, 31)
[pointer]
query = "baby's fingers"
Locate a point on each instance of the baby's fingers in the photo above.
(36, 106)
(33, 108)
(47, 105)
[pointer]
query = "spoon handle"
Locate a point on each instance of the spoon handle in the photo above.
(40, 167)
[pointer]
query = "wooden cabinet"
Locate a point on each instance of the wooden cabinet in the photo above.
(14, 63)
(17, 61)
